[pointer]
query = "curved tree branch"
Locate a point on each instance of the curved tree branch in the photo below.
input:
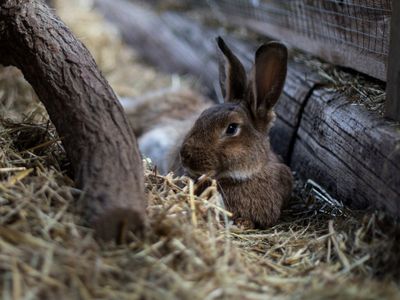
(84, 109)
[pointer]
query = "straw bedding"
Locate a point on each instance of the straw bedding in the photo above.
(190, 250)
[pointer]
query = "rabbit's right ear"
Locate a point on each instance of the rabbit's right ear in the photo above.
(232, 75)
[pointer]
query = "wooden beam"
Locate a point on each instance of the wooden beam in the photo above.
(352, 152)
(347, 34)
(392, 105)
(335, 53)
(289, 109)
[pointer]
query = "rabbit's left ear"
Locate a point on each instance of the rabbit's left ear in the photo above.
(269, 78)
(232, 75)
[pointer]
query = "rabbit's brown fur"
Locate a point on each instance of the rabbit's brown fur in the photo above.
(230, 141)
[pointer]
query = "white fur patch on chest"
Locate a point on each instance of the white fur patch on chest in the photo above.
(237, 175)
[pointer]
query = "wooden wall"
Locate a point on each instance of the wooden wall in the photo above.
(349, 33)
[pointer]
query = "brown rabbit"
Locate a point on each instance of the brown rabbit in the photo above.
(229, 141)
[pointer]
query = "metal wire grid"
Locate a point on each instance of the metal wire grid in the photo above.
(361, 24)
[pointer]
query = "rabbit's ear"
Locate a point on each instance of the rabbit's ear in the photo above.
(269, 77)
(232, 75)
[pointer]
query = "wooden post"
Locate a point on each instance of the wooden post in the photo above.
(392, 106)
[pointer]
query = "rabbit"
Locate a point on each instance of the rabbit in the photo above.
(229, 141)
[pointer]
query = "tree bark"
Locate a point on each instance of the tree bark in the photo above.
(85, 111)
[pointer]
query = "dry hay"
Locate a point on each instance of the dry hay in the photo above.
(190, 251)
(359, 88)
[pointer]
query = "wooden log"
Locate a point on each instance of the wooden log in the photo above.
(85, 111)
(289, 109)
(392, 104)
(354, 153)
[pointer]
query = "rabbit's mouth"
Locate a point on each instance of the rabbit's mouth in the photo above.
(196, 174)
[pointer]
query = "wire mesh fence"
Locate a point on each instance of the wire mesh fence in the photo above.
(328, 27)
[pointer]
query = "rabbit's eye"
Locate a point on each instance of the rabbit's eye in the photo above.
(232, 129)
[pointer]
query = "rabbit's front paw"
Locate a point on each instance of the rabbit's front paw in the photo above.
(243, 223)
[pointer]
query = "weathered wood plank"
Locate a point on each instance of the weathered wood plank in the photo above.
(354, 153)
(289, 109)
(392, 105)
(336, 53)
(351, 34)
